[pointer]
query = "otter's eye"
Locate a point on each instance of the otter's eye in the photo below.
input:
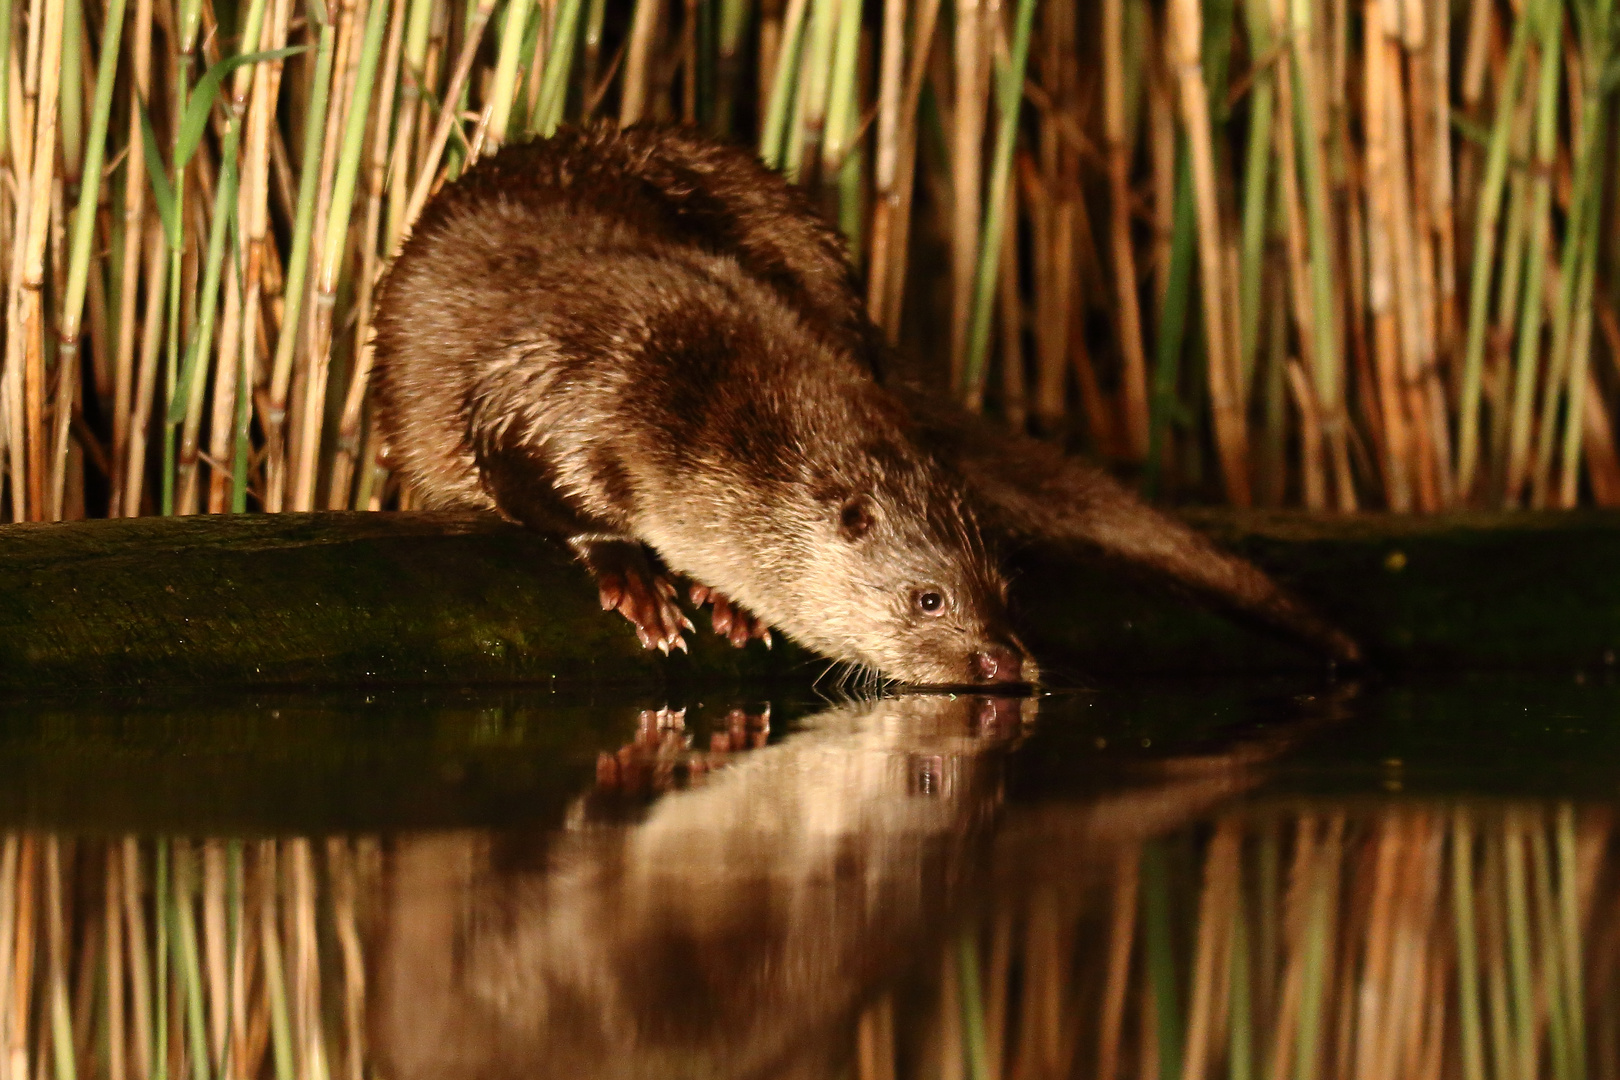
(854, 519)
(930, 602)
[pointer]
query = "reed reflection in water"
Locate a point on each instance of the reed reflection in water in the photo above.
(860, 899)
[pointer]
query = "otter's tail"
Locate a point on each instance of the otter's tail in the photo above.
(1029, 491)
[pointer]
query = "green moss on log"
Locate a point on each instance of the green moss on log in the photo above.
(435, 598)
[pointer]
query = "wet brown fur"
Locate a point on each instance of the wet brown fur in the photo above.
(646, 337)
(648, 334)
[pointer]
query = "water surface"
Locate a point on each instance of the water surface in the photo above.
(1257, 879)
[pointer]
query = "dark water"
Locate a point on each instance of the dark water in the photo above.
(1252, 880)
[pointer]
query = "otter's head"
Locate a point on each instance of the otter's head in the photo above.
(905, 583)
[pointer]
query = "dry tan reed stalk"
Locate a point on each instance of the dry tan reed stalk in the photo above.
(9, 897)
(923, 45)
(1300, 874)
(1121, 936)
(637, 62)
(22, 97)
(84, 954)
(885, 178)
(1381, 275)
(306, 988)
(997, 979)
(157, 280)
(966, 133)
(239, 1064)
(1310, 436)
(1404, 41)
(141, 987)
(113, 929)
(215, 951)
(1313, 478)
(224, 409)
(1551, 1004)
(347, 447)
(28, 322)
(1525, 1010)
(254, 236)
(1133, 375)
(1414, 913)
(948, 1042)
(1372, 1010)
(22, 964)
(1014, 405)
(345, 111)
(1321, 299)
(57, 963)
(874, 1041)
(1211, 953)
(428, 169)
(343, 874)
(1047, 195)
(1185, 37)
(1045, 975)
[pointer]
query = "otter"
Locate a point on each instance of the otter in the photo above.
(649, 343)
(573, 336)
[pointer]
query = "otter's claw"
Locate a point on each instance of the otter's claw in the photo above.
(627, 582)
(731, 621)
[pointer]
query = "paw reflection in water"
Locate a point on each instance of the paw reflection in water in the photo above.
(872, 897)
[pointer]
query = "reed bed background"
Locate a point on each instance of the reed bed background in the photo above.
(1311, 940)
(146, 959)
(1341, 254)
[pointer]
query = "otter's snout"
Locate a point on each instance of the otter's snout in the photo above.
(997, 664)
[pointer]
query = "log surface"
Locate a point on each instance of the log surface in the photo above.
(354, 598)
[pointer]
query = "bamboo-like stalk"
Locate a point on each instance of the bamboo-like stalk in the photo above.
(1009, 96)
(1133, 376)
(801, 152)
(84, 219)
(1381, 272)
(428, 169)
(1580, 238)
(1549, 19)
(1598, 48)
(900, 202)
(28, 299)
(886, 179)
(498, 108)
(967, 138)
(1231, 439)
(333, 251)
(348, 432)
(638, 57)
(1484, 259)
(1366, 195)
(297, 266)
(1212, 951)
(554, 88)
(253, 229)
(843, 91)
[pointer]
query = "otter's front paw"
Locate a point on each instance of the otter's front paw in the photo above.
(732, 622)
(628, 583)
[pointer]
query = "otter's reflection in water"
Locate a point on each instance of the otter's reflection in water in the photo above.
(881, 894)
(733, 930)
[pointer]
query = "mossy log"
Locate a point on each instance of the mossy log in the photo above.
(341, 598)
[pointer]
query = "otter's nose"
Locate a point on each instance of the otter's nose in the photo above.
(997, 664)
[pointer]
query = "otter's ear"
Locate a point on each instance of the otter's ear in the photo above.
(854, 518)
